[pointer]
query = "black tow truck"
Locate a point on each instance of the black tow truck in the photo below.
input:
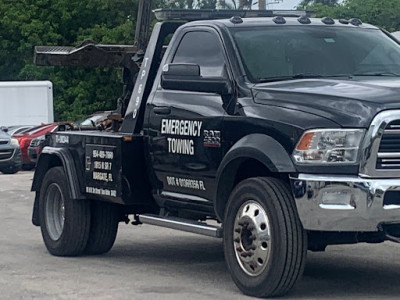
(282, 128)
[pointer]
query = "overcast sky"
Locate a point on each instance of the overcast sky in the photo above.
(285, 4)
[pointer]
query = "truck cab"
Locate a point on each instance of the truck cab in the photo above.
(281, 128)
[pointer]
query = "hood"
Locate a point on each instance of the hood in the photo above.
(349, 103)
(4, 135)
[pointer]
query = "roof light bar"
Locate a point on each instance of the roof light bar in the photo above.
(163, 14)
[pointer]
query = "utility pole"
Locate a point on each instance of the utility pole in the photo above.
(143, 24)
(262, 4)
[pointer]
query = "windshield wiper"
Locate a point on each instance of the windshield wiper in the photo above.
(377, 74)
(289, 77)
(299, 76)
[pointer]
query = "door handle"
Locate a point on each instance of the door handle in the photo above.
(162, 110)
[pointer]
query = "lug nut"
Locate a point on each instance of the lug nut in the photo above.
(243, 223)
(245, 254)
(252, 237)
(252, 264)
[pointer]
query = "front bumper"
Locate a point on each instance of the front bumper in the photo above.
(32, 154)
(346, 203)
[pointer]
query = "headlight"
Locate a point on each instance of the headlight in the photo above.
(329, 146)
(14, 142)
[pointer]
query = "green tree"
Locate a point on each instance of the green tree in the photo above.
(383, 13)
(195, 4)
(323, 2)
(77, 91)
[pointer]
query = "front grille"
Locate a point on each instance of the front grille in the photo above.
(6, 154)
(389, 147)
(380, 152)
(34, 143)
(4, 142)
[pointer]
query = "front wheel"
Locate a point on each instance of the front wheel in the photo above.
(64, 222)
(264, 242)
(10, 169)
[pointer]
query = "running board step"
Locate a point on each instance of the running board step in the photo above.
(182, 224)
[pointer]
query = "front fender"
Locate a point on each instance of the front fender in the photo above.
(263, 148)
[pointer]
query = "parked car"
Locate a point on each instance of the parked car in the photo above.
(18, 129)
(26, 138)
(10, 153)
(35, 147)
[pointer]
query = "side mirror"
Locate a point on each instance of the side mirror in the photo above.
(186, 77)
(3, 128)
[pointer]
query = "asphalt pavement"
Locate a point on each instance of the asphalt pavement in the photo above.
(149, 262)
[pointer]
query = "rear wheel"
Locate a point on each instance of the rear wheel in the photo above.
(103, 228)
(264, 242)
(64, 222)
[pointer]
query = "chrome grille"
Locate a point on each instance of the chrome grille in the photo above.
(4, 142)
(380, 152)
(6, 154)
(389, 148)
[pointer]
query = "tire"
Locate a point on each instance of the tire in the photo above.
(103, 228)
(64, 222)
(10, 169)
(264, 243)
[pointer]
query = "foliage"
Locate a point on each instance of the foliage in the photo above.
(323, 2)
(383, 13)
(77, 91)
(80, 91)
(195, 4)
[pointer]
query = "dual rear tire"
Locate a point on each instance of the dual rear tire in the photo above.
(73, 227)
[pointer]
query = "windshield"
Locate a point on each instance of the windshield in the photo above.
(270, 53)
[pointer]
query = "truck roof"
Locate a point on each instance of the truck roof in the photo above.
(250, 18)
(271, 21)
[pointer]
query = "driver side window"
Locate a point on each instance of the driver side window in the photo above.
(204, 49)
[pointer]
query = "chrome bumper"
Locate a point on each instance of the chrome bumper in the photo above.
(343, 203)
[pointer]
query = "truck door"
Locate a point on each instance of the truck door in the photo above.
(185, 127)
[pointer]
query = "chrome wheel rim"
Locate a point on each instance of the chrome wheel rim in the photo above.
(55, 211)
(252, 238)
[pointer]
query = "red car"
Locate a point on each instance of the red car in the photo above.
(25, 139)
